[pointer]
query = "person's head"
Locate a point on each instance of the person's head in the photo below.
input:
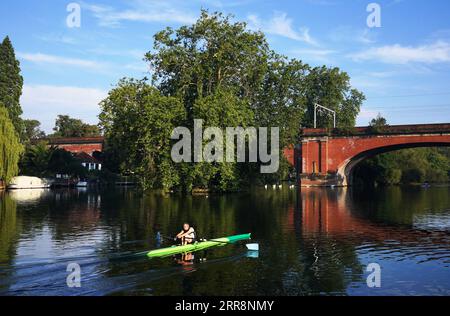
(186, 226)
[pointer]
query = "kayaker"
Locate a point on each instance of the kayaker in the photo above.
(187, 235)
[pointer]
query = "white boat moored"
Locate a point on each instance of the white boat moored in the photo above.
(25, 182)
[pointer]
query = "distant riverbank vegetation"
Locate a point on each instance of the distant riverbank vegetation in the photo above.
(406, 166)
(216, 70)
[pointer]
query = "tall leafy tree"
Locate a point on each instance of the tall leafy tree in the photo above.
(330, 87)
(217, 68)
(137, 122)
(10, 147)
(11, 83)
(379, 121)
(378, 124)
(221, 109)
(193, 61)
(66, 126)
(32, 130)
(35, 160)
(64, 162)
(281, 99)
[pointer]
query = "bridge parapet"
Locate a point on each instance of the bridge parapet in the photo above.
(383, 130)
(78, 144)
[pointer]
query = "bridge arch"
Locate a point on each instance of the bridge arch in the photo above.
(346, 169)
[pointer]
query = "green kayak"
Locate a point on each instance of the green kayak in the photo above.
(196, 246)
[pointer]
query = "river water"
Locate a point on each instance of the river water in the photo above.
(312, 242)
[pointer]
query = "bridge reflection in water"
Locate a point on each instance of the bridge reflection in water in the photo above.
(342, 211)
(406, 231)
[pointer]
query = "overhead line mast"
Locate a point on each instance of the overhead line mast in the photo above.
(316, 106)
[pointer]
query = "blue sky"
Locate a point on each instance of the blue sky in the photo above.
(402, 66)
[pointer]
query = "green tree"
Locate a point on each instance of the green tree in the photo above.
(414, 165)
(35, 161)
(32, 130)
(281, 99)
(194, 61)
(63, 162)
(221, 70)
(65, 126)
(11, 83)
(330, 87)
(378, 121)
(137, 122)
(378, 124)
(221, 109)
(10, 147)
(391, 175)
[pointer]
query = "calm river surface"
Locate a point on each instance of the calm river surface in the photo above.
(313, 242)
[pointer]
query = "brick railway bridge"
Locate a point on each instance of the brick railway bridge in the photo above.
(326, 157)
(77, 145)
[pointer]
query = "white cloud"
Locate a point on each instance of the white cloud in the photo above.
(382, 74)
(58, 60)
(347, 34)
(317, 55)
(322, 2)
(141, 11)
(134, 53)
(366, 115)
(57, 38)
(254, 22)
(365, 37)
(437, 52)
(281, 25)
(226, 3)
(369, 83)
(45, 102)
